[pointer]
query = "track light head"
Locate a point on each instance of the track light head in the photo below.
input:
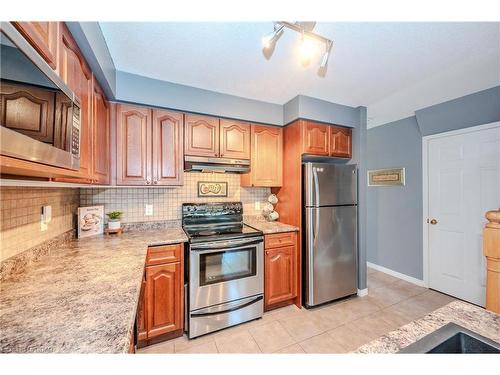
(323, 66)
(269, 40)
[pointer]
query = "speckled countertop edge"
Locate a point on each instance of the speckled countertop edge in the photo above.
(270, 227)
(472, 317)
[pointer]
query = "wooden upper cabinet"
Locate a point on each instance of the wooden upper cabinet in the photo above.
(164, 299)
(133, 145)
(234, 139)
(340, 142)
(28, 110)
(168, 157)
(315, 138)
(201, 136)
(76, 74)
(101, 136)
(43, 36)
(266, 163)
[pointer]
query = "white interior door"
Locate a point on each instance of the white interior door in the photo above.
(464, 183)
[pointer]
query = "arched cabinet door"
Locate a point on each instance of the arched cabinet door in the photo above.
(75, 72)
(315, 138)
(168, 150)
(279, 275)
(101, 136)
(133, 145)
(163, 299)
(234, 139)
(28, 110)
(201, 136)
(340, 142)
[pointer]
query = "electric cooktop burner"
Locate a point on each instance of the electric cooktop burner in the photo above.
(220, 231)
(215, 221)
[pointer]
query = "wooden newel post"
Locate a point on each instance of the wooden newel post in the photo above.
(491, 250)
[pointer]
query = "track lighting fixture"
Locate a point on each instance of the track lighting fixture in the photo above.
(308, 45)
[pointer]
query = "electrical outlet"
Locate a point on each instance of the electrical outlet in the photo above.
(149, 210)
(257, 206)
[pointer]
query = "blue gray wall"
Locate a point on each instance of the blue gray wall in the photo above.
(394, 214)
(479, 108)
(395, 221)
(143, 90)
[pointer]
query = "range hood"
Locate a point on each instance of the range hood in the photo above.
(217, 165)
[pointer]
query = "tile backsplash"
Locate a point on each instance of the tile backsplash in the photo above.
(167, 201)
(20, 216)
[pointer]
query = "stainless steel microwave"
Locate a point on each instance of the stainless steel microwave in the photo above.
(39, 114)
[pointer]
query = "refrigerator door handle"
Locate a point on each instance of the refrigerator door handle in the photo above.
(316, 186)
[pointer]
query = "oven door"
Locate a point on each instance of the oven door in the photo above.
(225, 271)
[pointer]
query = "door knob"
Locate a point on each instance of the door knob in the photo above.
(433, 221)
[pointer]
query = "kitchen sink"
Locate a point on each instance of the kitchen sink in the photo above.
(453, 339)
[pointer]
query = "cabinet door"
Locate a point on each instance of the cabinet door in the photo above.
(101, 127)
(234, 139)
(77, 75)
(280, 276)
(315, 138)
(133, 145)
(168, 156)
(340, 142)
(142, 331)
(28, 110)
(266, 167)
(201, 136)
(43, 36)
(163, 298)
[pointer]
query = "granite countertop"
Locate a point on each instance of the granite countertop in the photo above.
(269, 227)
(472, 317)
(82, 297)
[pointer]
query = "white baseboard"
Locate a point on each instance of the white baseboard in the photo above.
(362, 292)
(399, 275)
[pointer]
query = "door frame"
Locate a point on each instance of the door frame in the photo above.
(425, 185)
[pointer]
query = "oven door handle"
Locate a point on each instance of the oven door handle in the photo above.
(224, 245)
(218, 312)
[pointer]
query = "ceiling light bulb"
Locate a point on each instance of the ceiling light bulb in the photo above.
(271, 38)
(307, 50)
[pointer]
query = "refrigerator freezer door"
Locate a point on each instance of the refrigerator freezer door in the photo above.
(331, 254)
(330, 184)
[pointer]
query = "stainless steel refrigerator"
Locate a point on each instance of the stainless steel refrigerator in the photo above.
(330, 216)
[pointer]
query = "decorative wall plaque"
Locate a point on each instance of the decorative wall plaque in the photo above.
(212, 189)
(386, 177)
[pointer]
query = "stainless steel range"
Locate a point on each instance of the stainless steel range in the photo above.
(226, 267)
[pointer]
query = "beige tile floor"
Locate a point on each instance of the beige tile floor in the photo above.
(339, 327)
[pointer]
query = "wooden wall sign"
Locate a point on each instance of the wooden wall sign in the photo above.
(386, 177)
(212, 189)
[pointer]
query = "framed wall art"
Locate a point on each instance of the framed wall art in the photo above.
(212, 189)
(386, 177)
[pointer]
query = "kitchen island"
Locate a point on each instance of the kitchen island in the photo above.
(474, 318)
(80, 298)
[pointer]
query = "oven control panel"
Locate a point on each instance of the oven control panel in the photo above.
(75, 132)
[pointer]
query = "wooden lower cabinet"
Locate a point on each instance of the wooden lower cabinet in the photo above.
(280, 271)
(160, 314)
(163, 299)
